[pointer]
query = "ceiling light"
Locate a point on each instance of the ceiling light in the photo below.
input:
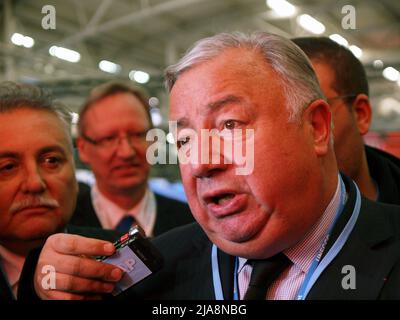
(21, 40)
(378, 64)
(282, 8)
(154, 102)
(339, 39)
(65, 54)
(391, 74)
(139, 76)
(356, 51)
(156, 116)
(108, 66)
(310, 24)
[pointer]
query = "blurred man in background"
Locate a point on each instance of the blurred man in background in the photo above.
(113, 125)
(344, 83)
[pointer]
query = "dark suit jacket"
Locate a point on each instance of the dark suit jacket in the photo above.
(170, 213)
(385, 170)
(373, 248)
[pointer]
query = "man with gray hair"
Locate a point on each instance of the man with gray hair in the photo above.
(293, 228)
(37, 180)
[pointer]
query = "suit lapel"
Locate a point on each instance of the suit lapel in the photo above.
(370, 249)
(5, 290)
(226, 270)
(194, 275)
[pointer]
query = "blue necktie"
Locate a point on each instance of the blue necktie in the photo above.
(125, 224)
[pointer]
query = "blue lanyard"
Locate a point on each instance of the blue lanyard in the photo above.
(316, 267)
(217, 279)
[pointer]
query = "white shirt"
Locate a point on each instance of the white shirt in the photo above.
(12, 265)
(288, 283)
(110, 214)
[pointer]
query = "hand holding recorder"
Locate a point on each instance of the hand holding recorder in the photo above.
(89, 268)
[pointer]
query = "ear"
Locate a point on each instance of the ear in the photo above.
(81, 144)
(318, 117)
(362, 112)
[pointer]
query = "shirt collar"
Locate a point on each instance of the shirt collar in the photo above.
(110, 214)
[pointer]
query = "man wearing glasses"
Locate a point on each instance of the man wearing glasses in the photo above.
(344, 83)
(112, 140)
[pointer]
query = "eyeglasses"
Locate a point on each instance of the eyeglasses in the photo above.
(112, 142)
(353, 95)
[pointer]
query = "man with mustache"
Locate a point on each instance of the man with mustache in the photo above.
(113, 124)
(37, 180)
(293, 228)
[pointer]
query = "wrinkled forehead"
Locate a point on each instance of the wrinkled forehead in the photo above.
(28, 127)
(237, 77)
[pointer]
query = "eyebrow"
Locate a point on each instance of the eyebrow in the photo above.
(52, 149)
(224, 101)
(15, 155)
(8, 154)
(213, 106)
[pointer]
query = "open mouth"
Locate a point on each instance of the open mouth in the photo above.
(220, 199)
(225, 203)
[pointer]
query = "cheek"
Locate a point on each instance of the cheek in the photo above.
(189, 183)
(64, 186)
(8, 192)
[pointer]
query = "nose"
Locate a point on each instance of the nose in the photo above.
(125, 148)
(33, 181)
(208, 161)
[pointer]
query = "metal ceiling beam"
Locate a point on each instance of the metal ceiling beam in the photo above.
(98, 15)
(130, 18)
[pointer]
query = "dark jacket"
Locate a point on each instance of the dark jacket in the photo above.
(373, 249)
(170, 213)
(385, 171)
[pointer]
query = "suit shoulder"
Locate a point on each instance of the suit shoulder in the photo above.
(182, 238)
(169, 202)
(378, 213)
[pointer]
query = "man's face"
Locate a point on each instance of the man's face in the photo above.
(123, 167)
(37, 181)
(262, 213)
(348, 143)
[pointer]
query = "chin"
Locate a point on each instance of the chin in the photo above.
(130, 182)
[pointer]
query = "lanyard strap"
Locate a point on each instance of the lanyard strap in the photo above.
(314, 273)
(215, 272)
(219, 295)
(318, 256)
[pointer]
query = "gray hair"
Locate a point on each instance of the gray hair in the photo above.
(16, 96)
(298, 78)
(108, 89)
